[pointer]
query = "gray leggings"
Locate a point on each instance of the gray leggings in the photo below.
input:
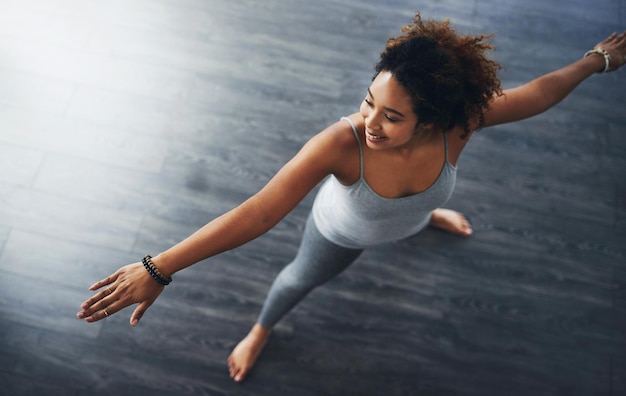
(317, 261)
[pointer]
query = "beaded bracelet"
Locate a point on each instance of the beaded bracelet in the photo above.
(154, 271)
(603, 52)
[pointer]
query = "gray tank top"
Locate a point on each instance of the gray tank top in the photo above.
(357, 217)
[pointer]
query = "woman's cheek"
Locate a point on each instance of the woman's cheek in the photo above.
(364, 109)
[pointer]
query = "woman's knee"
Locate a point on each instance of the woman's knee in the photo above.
(291, 282)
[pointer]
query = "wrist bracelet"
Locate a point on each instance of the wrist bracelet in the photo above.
(154, 271)
(603, 52)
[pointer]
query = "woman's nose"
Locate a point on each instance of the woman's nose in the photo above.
(372, 121)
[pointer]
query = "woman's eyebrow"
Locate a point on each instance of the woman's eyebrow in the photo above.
(389, 109)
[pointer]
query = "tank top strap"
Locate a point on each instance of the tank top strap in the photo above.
(356, 135)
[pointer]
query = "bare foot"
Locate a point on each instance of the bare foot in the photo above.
(451, 221)
(243, 357)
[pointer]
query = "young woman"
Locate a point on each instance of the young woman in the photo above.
(388, 169)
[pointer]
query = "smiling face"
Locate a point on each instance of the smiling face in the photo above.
(388, 113)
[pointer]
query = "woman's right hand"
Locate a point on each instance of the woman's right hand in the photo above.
(129, 285)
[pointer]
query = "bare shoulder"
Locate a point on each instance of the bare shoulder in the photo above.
(340, 133)
(457, 140)
(335, 140)
(338, 148)
(330, 151)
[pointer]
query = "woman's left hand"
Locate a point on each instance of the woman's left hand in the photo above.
(615, 45)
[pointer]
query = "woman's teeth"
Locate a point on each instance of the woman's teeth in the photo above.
(371, 135)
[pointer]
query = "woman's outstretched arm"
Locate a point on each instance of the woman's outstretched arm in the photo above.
(132, 284)
(546, 91)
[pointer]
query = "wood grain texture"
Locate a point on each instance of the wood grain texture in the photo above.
(125, 126)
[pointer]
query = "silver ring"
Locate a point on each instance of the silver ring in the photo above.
(105, 313)
(108, 291)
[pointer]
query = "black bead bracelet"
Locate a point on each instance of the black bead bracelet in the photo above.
(154, 271)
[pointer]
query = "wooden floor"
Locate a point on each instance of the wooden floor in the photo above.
(126, 125)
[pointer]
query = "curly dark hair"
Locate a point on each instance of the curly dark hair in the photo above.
(448, 75)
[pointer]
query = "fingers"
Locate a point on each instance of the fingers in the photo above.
(104, 311)
(106, 281)
(613, 37)
(100, 296)
(100, 300)
(617, 39)
(138, 312)
(608, 39)
(128, 285)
